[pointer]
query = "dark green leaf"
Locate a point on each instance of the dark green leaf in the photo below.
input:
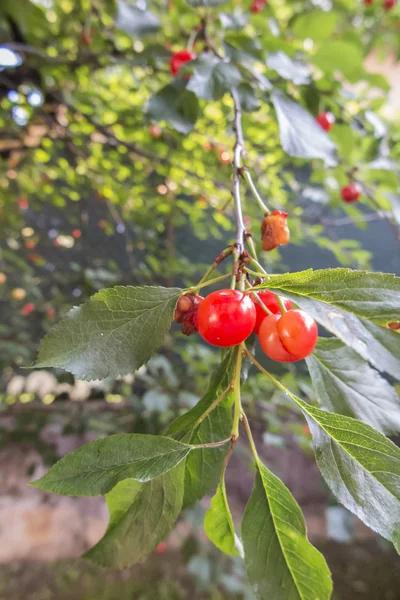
(240, 47)
(95, 468)
(361, 467)
(218, 523)
(374, 296)
(136, 21)
(203, 467)
(316, 24)
(290, 69)
(248, 100)
(141, 515)
(300, 135)
(280, 561)
(345, 383)
(112, 334)
(213, 77)
(176, 105)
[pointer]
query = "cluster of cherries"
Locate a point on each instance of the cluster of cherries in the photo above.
(226, 318)
(351, 192)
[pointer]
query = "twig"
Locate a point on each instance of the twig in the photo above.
(237, 164)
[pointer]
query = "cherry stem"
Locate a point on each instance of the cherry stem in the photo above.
(254, 273)
(213, 405)
(194, 289)
(281, 303)
(236, 254)
(256, 195)
(191, 40)
(261, 303)
(259, 268)
(251, 245)
(237, 410)
(250, 438)
(215, 264)
(261, 368)
(237, 168)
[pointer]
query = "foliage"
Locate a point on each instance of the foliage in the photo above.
(108, 113)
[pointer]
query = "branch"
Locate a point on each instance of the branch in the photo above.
(237, 165)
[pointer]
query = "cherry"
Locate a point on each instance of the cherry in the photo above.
(368, 1)
(351, 192)
(325, 120)
(226, 318)
(258, 5)
(274, 230)
(389, 4)
(179, 59)
(288, 337)
(76, 233)
(27, 309)
(271, 302)
(23, 203)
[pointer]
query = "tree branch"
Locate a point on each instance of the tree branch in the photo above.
(237, 165)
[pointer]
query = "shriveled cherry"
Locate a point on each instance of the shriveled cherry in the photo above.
(271, 302)
(274, 230)
(226, 318)
(186, 313)
(288, 337)
(351, 193)
(179, 59)
(326, 120)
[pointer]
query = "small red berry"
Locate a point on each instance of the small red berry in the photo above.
(226, 318)
(161, 548)
(326, 120)
(258, 5)
(288, 337)
(179, 59)
(271, 302)
(351, 192)
(274, 230)
(76, 233)
(50, 312)
(389, 4)
(23, 203)
(27, 309)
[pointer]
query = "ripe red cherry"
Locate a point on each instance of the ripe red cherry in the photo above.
(351, 192)
(271, 302)
(27, 309)
(326, 120)
(179, 59)
(289, 337)
(226, 318)
(389, 4)
(258, 5)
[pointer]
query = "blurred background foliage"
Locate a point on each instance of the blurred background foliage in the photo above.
(105, 179)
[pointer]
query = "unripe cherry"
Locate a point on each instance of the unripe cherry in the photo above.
(351, 193)
(326, 120)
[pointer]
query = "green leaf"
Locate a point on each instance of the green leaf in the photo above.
(176, 105)
(290, 69)
(345, 383)
(212, 77)
(373, 296)
(361, 467)
(300, 135)
(317, 24)
(203, 467)
(112, 334)
(339, 55)
(248, 100)
(95, 468)
(141, 515)
(218, 523)
(135, 21)
(280, 561)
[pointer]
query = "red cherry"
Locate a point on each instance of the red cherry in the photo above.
(50, 312)
(326, 120)
(271, 302)
(368, 1)
(351, 192)
(27, 309)
(288, 337)
(23, 203)
(389, 4)
(226, 318)
(179, 59)
(258, 5)
(76, 233)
